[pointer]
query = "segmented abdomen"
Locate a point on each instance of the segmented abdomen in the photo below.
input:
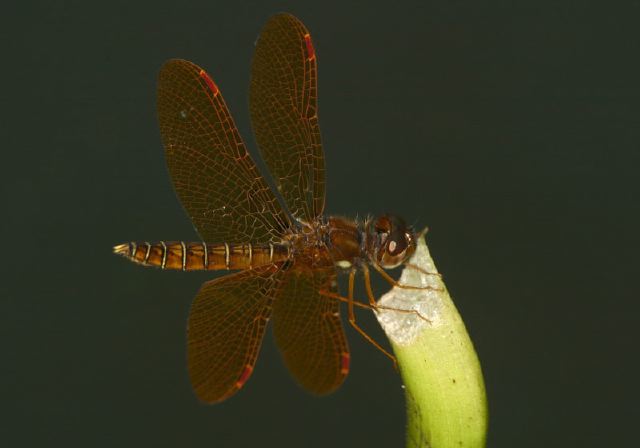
(202, 256)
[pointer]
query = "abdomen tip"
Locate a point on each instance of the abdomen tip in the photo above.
(121, 249)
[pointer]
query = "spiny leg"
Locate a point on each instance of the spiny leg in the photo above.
(352, 320)
(396, 283)
(366, 306)
(367, 286)
(340, 298)
(374, 303)
(419, 269)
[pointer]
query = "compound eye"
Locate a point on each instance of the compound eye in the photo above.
(396, 248)
(382, 225)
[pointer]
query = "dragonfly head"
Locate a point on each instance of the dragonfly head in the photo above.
(390, 241)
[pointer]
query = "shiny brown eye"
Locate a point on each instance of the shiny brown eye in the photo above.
(396, 247)
(383, 225)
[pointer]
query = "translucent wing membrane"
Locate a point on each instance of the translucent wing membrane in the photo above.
(284, 114)
(212, 172)
(227, 322)
(308, 329)
(229, 202)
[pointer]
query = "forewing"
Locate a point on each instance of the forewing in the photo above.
(227, 322)
(284, 114)
(213, 174)
(308, 329)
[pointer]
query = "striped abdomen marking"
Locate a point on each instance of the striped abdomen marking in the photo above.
(183, 256)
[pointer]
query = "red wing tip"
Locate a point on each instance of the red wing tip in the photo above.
(246, 373)
(311, 52)
(344, 363)
(212, 85)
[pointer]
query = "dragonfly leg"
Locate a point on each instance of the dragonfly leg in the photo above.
(340, 298)
(367, 306)
(418, 268)
(374, 304)
(394, 282)
(352, 319)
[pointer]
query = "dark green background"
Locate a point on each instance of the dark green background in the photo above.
(512, 131)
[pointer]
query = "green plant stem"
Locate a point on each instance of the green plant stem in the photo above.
(446, 400)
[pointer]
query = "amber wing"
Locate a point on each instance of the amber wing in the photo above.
(212, 172)
(308, 329)
(284, 113)
(227, 322)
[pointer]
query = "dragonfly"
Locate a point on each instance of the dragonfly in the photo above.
(286, 252)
